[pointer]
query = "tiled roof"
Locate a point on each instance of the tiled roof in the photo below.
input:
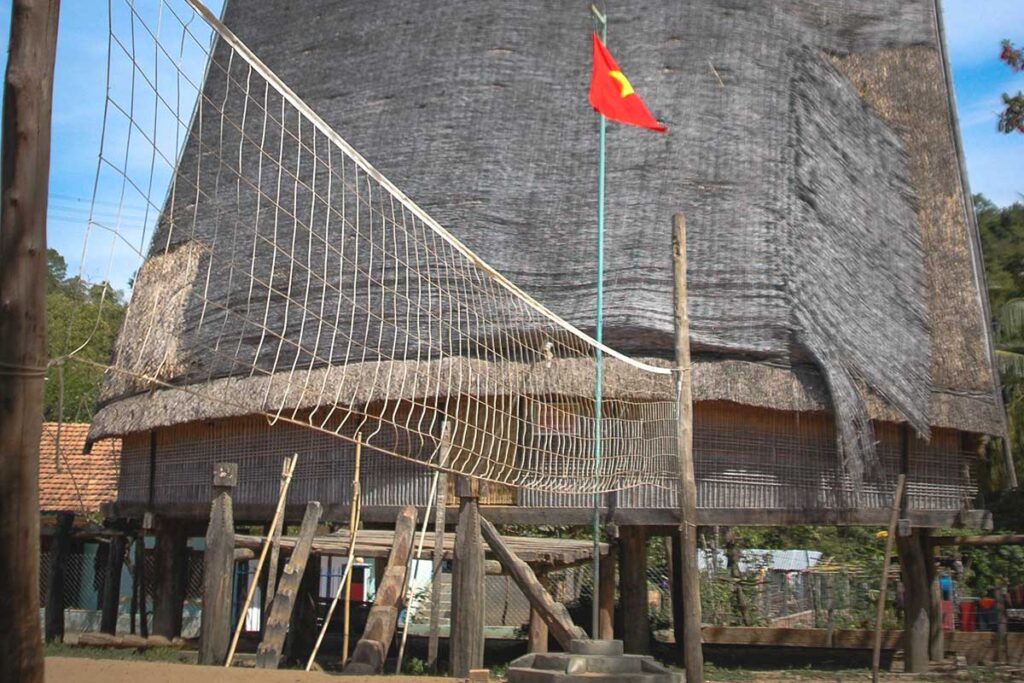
(83, 481)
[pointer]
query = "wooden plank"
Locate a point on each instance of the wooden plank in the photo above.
(466, 639)
(28, 91)
(111, 598)
(918, 595)
(553, 613)
(268, 655)
(218, 570)
(169, 586)
(371, 651)
(693, 656)
(55, 602)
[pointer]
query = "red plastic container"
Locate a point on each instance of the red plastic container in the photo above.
(968, 615)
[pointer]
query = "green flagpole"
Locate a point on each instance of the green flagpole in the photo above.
(602, 19)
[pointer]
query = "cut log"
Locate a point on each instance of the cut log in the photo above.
(553, 613)
(218, 569)
(268, 656)
(466, 643)
(371, 650)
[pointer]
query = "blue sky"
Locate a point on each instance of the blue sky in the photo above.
(974, 31)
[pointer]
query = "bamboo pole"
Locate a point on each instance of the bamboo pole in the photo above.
(346, 576)
(28, 96)
(692, 650)
(876, 648)
(347, 582)
(278, 514)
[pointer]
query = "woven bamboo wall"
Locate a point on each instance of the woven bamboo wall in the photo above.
(746, 458)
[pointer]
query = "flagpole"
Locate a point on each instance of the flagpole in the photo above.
(602, 19)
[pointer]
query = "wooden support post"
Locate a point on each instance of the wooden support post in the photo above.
(1002, 647)
(28, 90)
(171, 565)
(302, 634)
(139, 583)
(537, 640)
(433, 643)
(606, 597)
(111, 600)
(268, 656)
(676, 588)
(936, 638)
(371, 651)
(732, 553)
(692, 652)
(633, 588)
(894, 512)
(918, 594)
(59, 547)
(466, 642)
(274, 536)
(218, 568)
(693, 656)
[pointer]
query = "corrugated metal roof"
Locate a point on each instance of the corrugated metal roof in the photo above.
(771, 559)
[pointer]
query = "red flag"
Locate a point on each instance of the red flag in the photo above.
(612, 95)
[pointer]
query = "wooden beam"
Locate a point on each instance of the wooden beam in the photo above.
(606, 597)
(633, 589)
(218, 569)
(537, 638)
(985, 539)
(554, 613)
(58, 559)
(371, 651)
(111, 599)
(918, 595)
(28, 92)
(466, 639)
(169, 586)
(268, 655)
(693, 656)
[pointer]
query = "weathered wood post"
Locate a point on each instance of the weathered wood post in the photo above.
(466, 642)
(633, 588)
(139, 582)
(936, 637)
(1002, 646)
(537, 638)
(218, 568)
(58, 558)
(606, 596)
(433, 643)
(28, 90)
(111, 599)
(171, 566)
(917, 590)
(693, 656)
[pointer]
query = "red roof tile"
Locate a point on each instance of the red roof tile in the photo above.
(82, 481)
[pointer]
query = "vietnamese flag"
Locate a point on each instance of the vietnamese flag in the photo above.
(613, 96)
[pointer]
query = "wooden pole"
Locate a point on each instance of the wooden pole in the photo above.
(918, 593)
(433, 643)
(59, 547)
(28, 91)
(894, 513)
(140, 582)
(693, 656)
(112, 585)
(537, 637)
(346, 578)
(218, 568)
(466, 640)
(286, 477)
(268, 656)
(1002, 648)
(275, 549)
(606, 594)
(169, 592)
(936, 637)
(633, 589)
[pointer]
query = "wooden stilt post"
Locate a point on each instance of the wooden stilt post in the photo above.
(676, 578)
(268, 656)
(59, 547)
(918, 592)
(606, 597)
(538, 631)
(112, 586)
(633, 588)
(139, 582)
(897, 501)
(1002, 646)
(433, 644)
(466, 642)
(693, 657)
(28, 90)
(936, 637)
(169, 597)
(218, 568)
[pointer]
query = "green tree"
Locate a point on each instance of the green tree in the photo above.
(1012, 117)
(82, 320)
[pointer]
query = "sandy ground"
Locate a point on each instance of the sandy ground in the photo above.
(82, 670)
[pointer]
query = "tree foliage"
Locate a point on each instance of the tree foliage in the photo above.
(1012, 117)
(82, 319)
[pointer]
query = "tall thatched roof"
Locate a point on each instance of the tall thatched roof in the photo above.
(812, 145)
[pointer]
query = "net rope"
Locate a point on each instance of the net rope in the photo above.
(275, 271)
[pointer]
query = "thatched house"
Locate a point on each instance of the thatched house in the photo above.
(836, 288)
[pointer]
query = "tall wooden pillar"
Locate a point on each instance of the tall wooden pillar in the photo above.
(218, 568)
(936, 637)
(676, 582)
(59, 550)
(917, 591)
(633, 588)
(169, 588)
(538, 635)
(111, 600)
(606, 597)
(466, 644)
